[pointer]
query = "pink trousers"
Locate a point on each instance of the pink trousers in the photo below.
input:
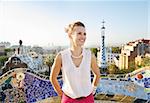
(88, 99)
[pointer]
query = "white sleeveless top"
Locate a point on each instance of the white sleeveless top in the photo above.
(76, 80)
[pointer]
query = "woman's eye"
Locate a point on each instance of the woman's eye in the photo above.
(79, 33)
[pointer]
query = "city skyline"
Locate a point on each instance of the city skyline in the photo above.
(42, 23)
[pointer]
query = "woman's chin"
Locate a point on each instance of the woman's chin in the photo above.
(81, 44)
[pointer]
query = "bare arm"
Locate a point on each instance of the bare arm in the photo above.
(95, 70)
(54, 73)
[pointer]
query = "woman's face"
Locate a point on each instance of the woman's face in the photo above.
(78, 35)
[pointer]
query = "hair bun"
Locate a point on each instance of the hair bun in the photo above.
(69, 28)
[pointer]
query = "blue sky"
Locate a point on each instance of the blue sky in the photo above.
(42, 23)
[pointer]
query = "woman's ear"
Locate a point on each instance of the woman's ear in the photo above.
(69, 35)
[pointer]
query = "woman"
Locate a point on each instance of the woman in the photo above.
(75, 64)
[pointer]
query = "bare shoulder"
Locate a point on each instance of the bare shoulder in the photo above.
(93, 56)
(56, 66)
(93, 61)
(58, 59)
(58, 56)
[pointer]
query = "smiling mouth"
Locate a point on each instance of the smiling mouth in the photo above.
(82, 40)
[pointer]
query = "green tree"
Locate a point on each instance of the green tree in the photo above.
(116, 49)
(145, 61)
(124, 71)
(8, 50)
(49, 61)
(112, 69)
(132, 65)
(3, 59)
(94, 50)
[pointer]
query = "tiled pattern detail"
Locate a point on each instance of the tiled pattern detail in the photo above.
(37, 89)
(122, 87)
(15, 96)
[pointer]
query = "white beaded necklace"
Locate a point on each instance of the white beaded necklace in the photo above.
(77, 57)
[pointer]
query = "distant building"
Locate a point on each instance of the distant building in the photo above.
(111, 58)
(5, 44)
(26, 48)
(37, 49)
(132, 52)
(33, 59)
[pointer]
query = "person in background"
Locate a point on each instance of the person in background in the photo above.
(76, 64)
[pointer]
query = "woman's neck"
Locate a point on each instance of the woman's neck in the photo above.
(76, 50)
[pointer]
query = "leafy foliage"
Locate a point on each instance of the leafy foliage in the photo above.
(145, 61)
(124, 71)
(116, 49)
(8, 50)
(113, 69)
(49, 60)
(94, 50)
(3, 59)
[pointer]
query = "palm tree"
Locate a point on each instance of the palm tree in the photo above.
(49, 61)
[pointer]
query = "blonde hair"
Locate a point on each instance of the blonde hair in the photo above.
(70, 27)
